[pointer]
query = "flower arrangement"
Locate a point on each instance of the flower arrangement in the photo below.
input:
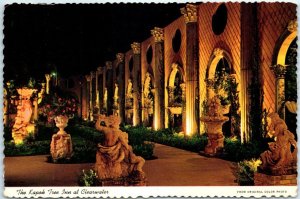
(55, 105)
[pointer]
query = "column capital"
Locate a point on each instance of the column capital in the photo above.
(120, 57)
(158, 34)
(279, 71)
(88, 78)
(108, 65)
(136, 48)
(190, 13)
(93, 74)
(100, 70)
(48, 77)
(292, 26)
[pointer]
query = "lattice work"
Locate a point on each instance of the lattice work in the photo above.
(273, 20)
(229, 40)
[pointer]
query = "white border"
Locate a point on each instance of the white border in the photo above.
(171, 191)
(146, 192)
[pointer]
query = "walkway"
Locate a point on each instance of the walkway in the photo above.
(173, 167)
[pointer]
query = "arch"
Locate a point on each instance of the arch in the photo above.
(175, 68)
(284, 46)
(216, 56)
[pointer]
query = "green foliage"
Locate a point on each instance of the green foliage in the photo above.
(88, 178)
(32, 148)
(291, 73)
(236, 151)
(145, 150)
(246, 170)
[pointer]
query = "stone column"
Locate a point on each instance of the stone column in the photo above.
(159, 110)
(91, 97)
(183, 96)
(136, 90)
(190, 16)
(109, 87)
(121, 84)
(97, 92)
(88, 83)
(99, 98)
(279, 71)
(48, 77)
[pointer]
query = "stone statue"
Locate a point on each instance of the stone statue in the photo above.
(281, 158)
(115, 158)
(23, 126)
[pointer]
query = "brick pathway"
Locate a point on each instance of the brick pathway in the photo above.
(173, 167)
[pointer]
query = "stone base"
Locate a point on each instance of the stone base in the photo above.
(61, 147)
(215, 144)
(261, 179)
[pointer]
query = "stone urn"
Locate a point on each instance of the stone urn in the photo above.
(61, 144)
(214, 121)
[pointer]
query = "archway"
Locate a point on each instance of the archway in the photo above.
(221, 81)
(175, 97)
(129, 103)
(148, 95)
(285, 70)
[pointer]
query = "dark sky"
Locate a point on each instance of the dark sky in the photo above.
(75, 39)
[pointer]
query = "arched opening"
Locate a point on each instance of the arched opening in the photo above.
(129, 103)
(175, 97)
(285, 71)
(224, 85)
(291, 87)
(148, 95)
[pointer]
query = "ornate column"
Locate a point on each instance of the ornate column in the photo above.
(91, 96)
(190, 16)
(183, 96)
(88, 80)
(99, 97)
(48, 77)
(121, 84)
(279, 71)
(110, 87)
(136, 91)
(159, 110)
(97, 92)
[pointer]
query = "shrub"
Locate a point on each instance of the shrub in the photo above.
(145, 150)
(88, 178)
(237, 151)
(246, 170)
(32, 148)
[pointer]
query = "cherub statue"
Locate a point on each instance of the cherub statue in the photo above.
(115, 157)
(281, 158)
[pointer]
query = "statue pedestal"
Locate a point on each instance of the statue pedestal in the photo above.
(261, 179)
(61, 147)
(215, 134)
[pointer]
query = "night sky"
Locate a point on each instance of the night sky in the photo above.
(75, 39)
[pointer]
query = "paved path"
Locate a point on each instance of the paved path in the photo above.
(173, 167)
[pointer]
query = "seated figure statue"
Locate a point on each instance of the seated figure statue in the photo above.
(115, 158)
(281, 158)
